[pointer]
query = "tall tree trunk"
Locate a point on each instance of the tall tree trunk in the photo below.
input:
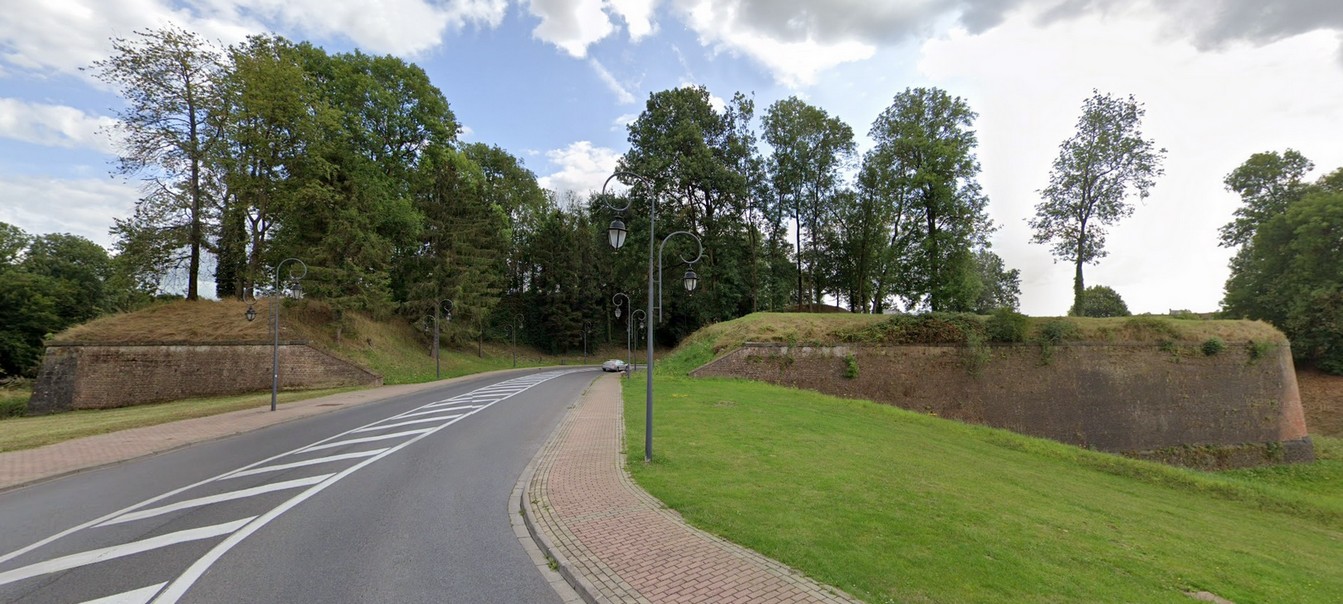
(1078, 286)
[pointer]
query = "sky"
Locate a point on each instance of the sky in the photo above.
(555, 82)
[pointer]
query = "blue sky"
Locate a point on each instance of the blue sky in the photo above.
(553, 82)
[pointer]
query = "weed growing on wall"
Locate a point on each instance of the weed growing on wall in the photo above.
(1212, 346)
(1052, 333)
(1257, 350)
(975, 354)
(850, 366)
(927, 328)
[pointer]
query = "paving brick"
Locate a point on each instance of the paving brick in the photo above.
(623, 536)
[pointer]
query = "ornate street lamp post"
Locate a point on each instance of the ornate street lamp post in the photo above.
(446, 307)
(629, 323)
(275, 315)
(616, 234)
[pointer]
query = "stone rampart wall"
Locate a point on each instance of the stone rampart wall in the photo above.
(1174, 405)
(100, 377)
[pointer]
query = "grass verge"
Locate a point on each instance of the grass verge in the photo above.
(895, 506)
(29, 432)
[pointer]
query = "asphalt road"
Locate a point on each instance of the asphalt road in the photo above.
(404, 500)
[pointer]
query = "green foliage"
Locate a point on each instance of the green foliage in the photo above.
(1291, 275)
(1056, 331)
(1000, 287)
(924, 164)
(1007, 326)
(1099, 301)
(928, 328)
(1150, 326)
(1212, 346)
(850, 366)
(12, 406)
(1051, 334)
(1257, 350)
(1267, 183)
(167, 77)
(1097, 169)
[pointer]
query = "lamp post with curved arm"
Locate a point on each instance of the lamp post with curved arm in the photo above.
(275, 314)
(629, 350)
(616, 237)
(446, 307)
(638, 316)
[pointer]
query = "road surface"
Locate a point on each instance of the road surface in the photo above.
(404, 500)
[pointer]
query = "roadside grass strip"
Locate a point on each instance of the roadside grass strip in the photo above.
(895, 506)
(236, 531)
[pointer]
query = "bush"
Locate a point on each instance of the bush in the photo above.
(1007, 326)
(1213, 346)
(13, 407)
(1099, 301)
(929, 328)
(1257, 350)
(1057, 331)
(850, 366)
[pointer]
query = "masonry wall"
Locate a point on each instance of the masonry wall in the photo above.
(100, 377)
(1178, 406)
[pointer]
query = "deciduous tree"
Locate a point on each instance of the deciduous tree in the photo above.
(1098, 168)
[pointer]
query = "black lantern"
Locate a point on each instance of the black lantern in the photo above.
(690, 280)
(616, 233)
(251, 313)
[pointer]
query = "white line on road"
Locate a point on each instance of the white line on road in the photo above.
(229, 496)
(422, 420)
(137, 596)
(366, 439)
(306, 462)
(118, 551)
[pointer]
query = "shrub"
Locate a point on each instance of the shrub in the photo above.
(1257, 350)
(13, 407)
(1213, 346)
(1099, 301)
(1007, 326)
(1057, 331)
(850, 366)
(929, 328)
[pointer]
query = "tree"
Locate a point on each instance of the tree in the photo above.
(924, 165)
(1099, 301)
(27, 315)
(167, 76)
(1267, 183)
(1097, 169)
(1000, 286)
(78, 267)
(1291, 275)
(811, 150)
(12, 243)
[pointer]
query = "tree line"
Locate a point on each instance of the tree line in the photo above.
(271, 149)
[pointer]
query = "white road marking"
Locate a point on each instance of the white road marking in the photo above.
(179, 586)
(229, 496)
(433, 411)
(422, 420)
(118, 551)
(366, 439)
(138, 596)
(306, 462)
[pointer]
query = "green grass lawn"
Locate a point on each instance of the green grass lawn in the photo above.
(894, 506)
(28, 432)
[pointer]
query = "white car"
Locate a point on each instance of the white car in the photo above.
(613, 365)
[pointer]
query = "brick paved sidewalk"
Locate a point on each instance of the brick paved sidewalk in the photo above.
(617, 543)
(32, 465)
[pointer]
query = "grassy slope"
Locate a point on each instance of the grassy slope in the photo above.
(901, 507)
(895, 506)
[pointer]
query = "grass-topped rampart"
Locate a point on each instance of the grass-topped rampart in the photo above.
(962, 328)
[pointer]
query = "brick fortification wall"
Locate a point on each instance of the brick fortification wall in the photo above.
(1182, 407)
(100, 377)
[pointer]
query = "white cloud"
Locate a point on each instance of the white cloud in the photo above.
(795, 60)
(638, 16)
(582, 168)
(612, 84)
(1211, 110)
(622, 121)
(84, 207)
(54, 126)
(572, 25)
(399, 27)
